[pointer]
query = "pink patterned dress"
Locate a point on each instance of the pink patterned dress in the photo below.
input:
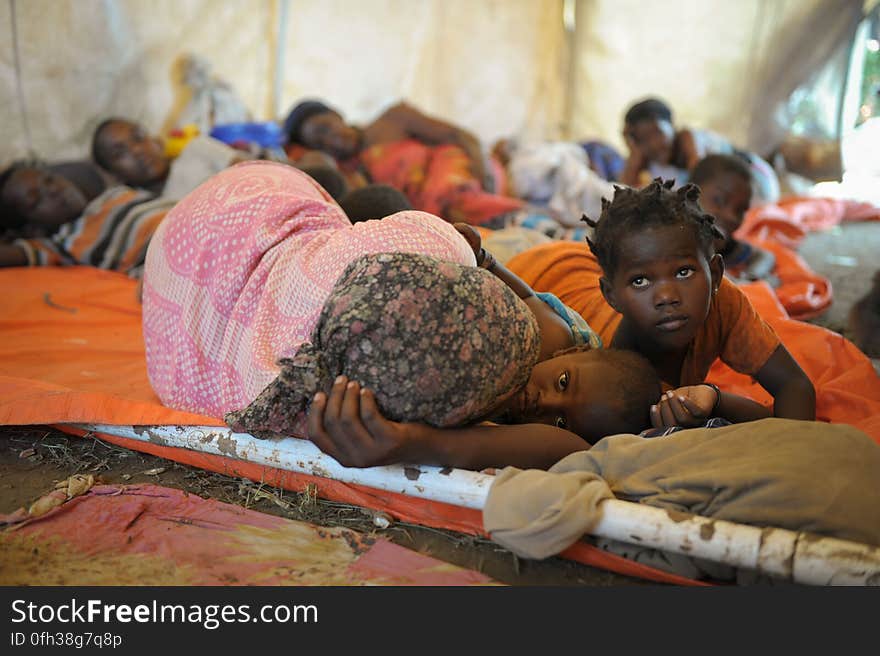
(237, 274)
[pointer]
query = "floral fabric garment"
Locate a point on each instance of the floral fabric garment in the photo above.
(437, 342)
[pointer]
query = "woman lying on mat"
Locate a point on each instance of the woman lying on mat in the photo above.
(263, 300)
(439, 166)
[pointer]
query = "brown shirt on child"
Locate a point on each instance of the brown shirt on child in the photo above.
(733, 330)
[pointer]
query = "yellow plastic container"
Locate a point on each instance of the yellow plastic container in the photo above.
(178, 138)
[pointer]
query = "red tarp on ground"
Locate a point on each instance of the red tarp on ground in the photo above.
(151, 535)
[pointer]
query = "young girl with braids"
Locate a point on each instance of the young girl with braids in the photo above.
(661, 273)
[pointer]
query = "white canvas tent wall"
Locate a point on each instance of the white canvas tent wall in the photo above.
(497, 67)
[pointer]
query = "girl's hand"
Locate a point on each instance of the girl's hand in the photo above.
(686, 406)
(348, 426)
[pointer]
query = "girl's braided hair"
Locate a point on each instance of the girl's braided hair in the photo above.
(656, 205)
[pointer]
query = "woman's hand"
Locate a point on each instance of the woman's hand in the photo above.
(688, 406)
(635, 163)
(348, 426)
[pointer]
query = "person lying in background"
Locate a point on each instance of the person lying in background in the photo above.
(658, 149)
(137, 159)
(111, 232)
(726, 193)
(440, 167)
(218, 341)
(36, 198)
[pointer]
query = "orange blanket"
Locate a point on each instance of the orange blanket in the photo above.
(71, 350)
(436, 179)
(847, 387)
(781, 227)
(788, 221)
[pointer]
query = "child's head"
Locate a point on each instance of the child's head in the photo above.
(129, 152)
(649, 125)
(36, 201)
(590, 392)
(726, 186)
(374, 201)
(656, 248)
(330, 178)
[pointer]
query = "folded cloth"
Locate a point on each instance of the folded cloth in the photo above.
(762, 473)
(557, 175)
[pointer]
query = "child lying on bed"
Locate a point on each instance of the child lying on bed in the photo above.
(236, 280)
(36, 197)
(111, 232)
(726, 193)
(660, 270)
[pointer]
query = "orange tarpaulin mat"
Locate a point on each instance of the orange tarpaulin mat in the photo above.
(781, 227)
(847, 387)
(71, 350)
(789, 220)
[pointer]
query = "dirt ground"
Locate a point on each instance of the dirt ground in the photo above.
(32, 459)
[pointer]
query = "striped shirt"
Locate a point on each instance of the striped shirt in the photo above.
(113, 233)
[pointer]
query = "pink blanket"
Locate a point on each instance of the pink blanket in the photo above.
(237, 274)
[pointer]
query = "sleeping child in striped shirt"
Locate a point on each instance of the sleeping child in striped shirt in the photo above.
(47, 221)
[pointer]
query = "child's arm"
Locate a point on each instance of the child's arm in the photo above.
(635, 163)
(693, 405)
(348, 426)
(760, 264)
(687, 149)
(555, 333)
(793, 394)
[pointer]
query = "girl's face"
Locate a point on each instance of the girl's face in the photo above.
(663, 285)
(654, 137)
(566, 391)
(45, 200)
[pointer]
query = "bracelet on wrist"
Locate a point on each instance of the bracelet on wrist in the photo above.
(714, 411)
(486, 260)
